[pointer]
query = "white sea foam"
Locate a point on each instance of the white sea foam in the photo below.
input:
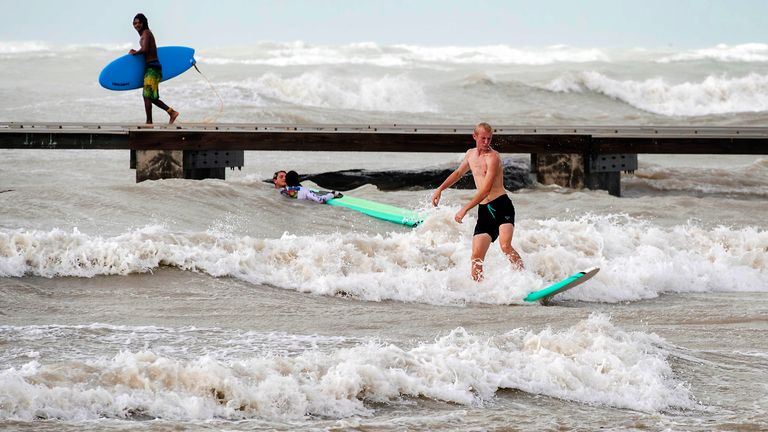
(428, 265)
(592, 362)
(750, 52)
(713, 95)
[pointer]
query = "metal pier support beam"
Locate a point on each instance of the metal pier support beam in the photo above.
(577, 171)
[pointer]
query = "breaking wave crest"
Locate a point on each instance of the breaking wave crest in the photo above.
(713, 95)
(426, 265)
(592, 362)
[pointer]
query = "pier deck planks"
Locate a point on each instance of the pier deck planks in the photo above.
(385, 138)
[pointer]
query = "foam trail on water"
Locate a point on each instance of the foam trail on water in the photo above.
(592, 362)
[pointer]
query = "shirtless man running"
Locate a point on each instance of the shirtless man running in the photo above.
(496, 214)
(153, 70)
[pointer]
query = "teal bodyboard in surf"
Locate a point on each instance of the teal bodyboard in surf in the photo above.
(378, 210)
(545, 294)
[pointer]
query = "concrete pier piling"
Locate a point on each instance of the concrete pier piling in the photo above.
(159, 164)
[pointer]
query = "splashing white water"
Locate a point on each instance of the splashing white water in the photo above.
(429, 264)
(592, 362)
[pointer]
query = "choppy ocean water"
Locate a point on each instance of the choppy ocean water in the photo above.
(219, 305)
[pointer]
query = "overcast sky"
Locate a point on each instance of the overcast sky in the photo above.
(211, 23)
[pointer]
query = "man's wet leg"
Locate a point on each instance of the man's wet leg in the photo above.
(480, 245)
(506, 232)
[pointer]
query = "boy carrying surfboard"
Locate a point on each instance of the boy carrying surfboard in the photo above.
(153, 72)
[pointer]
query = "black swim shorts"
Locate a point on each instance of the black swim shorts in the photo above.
(490, 216)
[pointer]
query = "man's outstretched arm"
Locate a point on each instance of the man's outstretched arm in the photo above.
(451, 180)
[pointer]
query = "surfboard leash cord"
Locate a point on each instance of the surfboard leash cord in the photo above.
(221, 101)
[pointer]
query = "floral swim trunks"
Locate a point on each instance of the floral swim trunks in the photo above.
(153, 74)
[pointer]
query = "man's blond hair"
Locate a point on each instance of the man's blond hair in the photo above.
(484, 126)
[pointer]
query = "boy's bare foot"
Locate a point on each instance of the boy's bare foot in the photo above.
(173, 115)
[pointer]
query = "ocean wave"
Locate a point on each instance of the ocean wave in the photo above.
(33, 47)
(751, 52)
(713, 95)
(120, 47)
(44, 342)
(299, 53)
(504, 54)
(592, 362)
(302, 54)
(426, 265)
(389, 93)
(750, 180)
(20, 47)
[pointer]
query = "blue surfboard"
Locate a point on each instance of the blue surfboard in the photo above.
(544, 295)
(127, 72)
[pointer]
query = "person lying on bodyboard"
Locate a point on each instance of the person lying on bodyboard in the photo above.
(289, 186)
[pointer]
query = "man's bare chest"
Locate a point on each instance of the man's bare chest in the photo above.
(478, 165)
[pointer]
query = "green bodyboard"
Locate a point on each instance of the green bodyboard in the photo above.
(378, 210)
(545, 294)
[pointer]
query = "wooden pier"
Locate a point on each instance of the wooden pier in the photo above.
(572, 156)
(385, 138)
